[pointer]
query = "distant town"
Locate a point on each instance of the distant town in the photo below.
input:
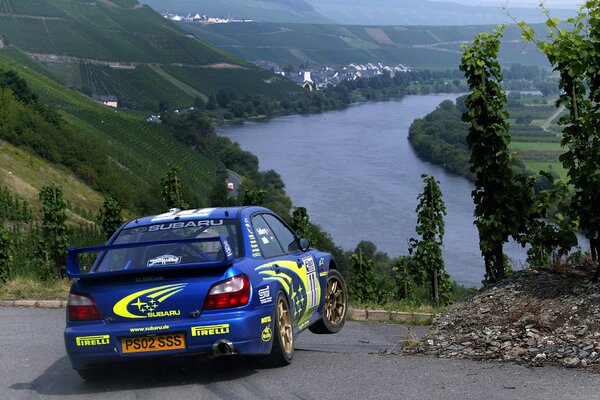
(321, 77)
(310, 78)
(201, 18)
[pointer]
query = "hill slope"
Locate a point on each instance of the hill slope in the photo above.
(425, 12)
(122, 48)
(257, 10)
(138, 152)
(25, 173)
(416, 46)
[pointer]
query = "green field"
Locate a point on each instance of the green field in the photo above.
(537, 166)
(538, 146)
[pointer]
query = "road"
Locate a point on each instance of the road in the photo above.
(33, 365)
(551, 119)
(235, 179)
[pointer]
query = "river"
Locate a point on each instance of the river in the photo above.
(359, 178)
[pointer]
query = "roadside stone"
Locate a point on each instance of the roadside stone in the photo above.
(378, 315)
(25, 303)
(356, 314)
(49, 304)
(571, 362)
(7, 303)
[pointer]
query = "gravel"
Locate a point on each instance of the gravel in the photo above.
(534, 317)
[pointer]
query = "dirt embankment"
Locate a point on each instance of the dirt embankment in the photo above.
(535, 317)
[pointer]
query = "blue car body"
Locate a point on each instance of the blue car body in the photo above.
(147, 300)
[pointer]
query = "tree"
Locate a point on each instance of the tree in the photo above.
(403, 277)
(54, 233)
(109, 216)
(363, 285)
(172, 189)
(254, 197)
(575, 54)
(300, 222)
(548, 231)
(428, 250)
(11, 80)
(219, 196)
(497, 207)
(6, 259)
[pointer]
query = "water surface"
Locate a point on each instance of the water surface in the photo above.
(359, 178)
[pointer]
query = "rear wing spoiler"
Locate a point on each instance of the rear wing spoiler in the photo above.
(74, 269)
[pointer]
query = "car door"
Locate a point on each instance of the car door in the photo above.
(305, 291)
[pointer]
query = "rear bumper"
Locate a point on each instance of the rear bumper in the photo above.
(99, 342)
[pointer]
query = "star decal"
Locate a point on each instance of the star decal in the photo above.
(139, 304)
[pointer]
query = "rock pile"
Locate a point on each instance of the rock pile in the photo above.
(534, 317)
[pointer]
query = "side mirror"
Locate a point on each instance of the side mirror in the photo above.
(304, 244)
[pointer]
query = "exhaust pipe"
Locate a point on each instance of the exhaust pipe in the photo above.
(223, 348)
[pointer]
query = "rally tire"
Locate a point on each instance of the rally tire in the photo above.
(282, 350)
(335, 307)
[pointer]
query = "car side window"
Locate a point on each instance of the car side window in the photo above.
(286, 237)
(269, 246)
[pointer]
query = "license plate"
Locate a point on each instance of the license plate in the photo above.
(153, 343)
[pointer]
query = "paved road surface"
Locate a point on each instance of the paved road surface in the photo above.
(33, 365)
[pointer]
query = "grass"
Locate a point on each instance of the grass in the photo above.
(190, 91)
(420, 303)
(22, 288)
(24, 174)
(536, 146)
(556, 166)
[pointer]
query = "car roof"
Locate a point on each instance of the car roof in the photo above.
(175, 215)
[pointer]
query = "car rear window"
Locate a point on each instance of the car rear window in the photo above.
(171, 254)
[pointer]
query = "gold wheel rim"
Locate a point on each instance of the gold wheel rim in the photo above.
(335, 301)
(285, 326)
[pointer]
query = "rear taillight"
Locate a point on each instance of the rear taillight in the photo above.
(82, 308)
(233, 292)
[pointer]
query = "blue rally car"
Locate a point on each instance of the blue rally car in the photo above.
(215, 281)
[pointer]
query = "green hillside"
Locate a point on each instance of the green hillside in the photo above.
(122, 48)
(24, 173)
(416, 46)
(102, 30)
(138, 152)
(427, 12)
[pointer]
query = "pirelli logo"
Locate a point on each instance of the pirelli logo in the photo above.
(210, 330)
(97, 340)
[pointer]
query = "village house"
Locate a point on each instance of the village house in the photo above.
(109, 100)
